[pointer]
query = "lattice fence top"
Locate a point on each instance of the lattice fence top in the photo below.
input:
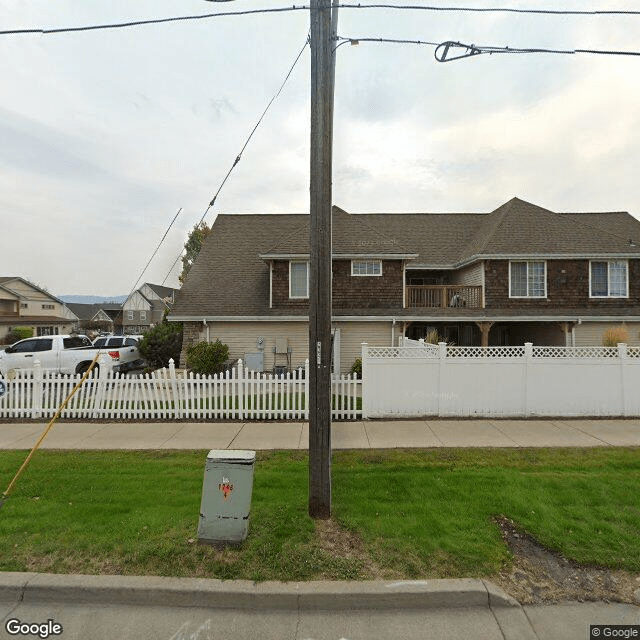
(575, 352)
(426, 351)
(485, 352)
(433, 352)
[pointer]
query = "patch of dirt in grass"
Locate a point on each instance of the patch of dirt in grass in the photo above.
(539, 575)
(346, 544)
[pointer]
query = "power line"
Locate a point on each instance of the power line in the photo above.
(244, 146)
(472, 49)
(557, 12)
(399, 7)
(154, 253)
(137, 23)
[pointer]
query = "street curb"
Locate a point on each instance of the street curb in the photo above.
(243, 594)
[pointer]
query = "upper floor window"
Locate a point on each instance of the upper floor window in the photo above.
(298, 279)
(48, 306)
(143, 315)
(129, 315)
(24, 305)
(528, 279)
(608, 279)
(366, 267)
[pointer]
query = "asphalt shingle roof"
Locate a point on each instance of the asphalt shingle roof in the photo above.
(229, 278)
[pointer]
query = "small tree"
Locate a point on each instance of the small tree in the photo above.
(207, 357)
(192, 248)
(161, 343)
(356, 368)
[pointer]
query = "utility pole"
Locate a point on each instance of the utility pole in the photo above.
(322, 80)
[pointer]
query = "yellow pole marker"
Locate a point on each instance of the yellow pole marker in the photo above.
(61, 408)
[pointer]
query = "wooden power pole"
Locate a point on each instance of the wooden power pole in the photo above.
(322, 80)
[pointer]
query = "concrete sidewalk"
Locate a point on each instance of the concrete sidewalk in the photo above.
(366, 434)
(106, 607)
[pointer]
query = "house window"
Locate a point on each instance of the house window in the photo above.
(366, 267)
(129, 315)
(528, 279)
(298, 279)
(608, 279)
(143, 315)
(24, 305)
(48, 306)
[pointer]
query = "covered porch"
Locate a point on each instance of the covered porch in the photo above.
(489, 334)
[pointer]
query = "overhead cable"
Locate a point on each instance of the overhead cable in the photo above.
(150, 21)
(399, 7)
(470, 50)
(154, 253)
(244, 146)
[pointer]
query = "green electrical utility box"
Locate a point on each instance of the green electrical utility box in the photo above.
(226, 497)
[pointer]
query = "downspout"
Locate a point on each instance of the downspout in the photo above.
(270, 284)
(393, 324)
(404, 285)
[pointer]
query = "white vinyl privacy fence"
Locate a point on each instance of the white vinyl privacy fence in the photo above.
(418, 379)
(236, 394)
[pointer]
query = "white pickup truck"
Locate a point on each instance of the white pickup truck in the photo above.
(64, 354)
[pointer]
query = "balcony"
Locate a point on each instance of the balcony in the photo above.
(444, 296)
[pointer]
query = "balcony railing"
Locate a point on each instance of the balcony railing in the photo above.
(444, 296)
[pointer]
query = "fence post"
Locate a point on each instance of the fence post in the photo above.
(37, 390)
(175, 392)
(528, 357)
(306, 389)
(623, 357)
(100, 388)
(242, 391)
(442, 358)
(365, 378)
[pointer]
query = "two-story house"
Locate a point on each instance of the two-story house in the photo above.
(23, 304)
(145, 307)
(519, 274)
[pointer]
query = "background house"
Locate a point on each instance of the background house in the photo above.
(23, 304)
(518, 274)
(97, 317)
(145, 307)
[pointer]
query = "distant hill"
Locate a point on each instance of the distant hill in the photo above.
(94, 299)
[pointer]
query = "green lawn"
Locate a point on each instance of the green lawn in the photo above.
(417, 513)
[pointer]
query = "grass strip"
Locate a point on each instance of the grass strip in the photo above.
(412, 513)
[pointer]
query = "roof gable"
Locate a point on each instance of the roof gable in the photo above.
(521, 228)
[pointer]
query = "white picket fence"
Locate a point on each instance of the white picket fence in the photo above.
(417, 379)
(236, 394)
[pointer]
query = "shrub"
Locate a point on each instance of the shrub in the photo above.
(207, 357)
(161, 343)
(356, 367)
(23, 332)
(432, 337)
(611, 337)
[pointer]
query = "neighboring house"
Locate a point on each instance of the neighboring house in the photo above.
(23, 304)
(106, 317)
(518, 274)
(145, 307)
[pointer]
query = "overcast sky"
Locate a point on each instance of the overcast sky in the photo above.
(105, 135)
